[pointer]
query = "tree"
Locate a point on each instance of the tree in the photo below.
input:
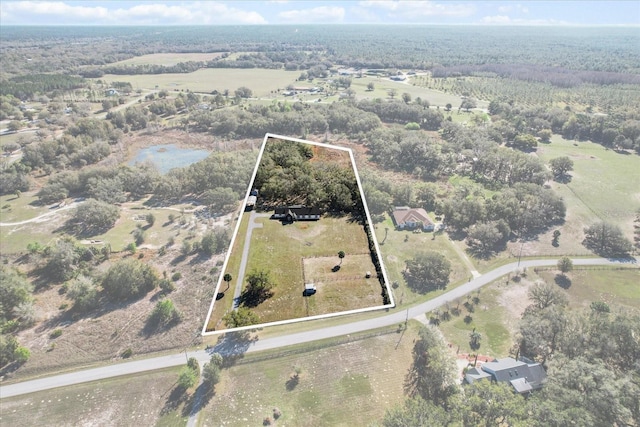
(84, 294)
(12, 351)
(94, 217)
(419, 412)
(243, 316)
(64, 256)
(432, 375)
(211, 371)
(164, 314)
(187, 378)
(483, 238)
(565, 265)
(392, 93)
(370, 86)
(606, 239)
(545, 295)
(243, 92)
(15, 289)
(560, 166)
(128, 279)
(14, 126)
(258, 288)
(524, 142)
(227, 278)
(474, 340)
(468, 103)
(427, 271)
(448, 107)
(406, 97)
(150, 218)
(487, 403)
(636, 230)
(106, 105)
(341, 256)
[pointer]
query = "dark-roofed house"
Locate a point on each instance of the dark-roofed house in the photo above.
(406, 218)
(296, 213)
(524, 375)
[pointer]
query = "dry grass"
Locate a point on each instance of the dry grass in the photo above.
(143, 399)
(167, 59)
(343, 385)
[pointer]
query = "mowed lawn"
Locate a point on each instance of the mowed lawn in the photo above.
(261, 82)
(350, 384)
(281, 248)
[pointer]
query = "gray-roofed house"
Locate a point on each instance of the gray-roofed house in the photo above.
(406, 218)
(296, 213)
(524, 375)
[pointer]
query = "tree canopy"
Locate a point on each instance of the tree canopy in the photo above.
(128, 279)
(427, 271)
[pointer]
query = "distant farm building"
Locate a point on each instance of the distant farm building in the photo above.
(296, 213)
(111, 92)
(406, 218)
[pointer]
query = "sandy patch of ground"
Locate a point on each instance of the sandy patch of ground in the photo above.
(514, 298)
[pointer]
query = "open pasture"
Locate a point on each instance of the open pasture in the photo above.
(261, 82)
(142, 399)
(351, 383)
(168, 59)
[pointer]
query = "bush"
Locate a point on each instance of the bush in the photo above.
(128, 279)
(56, 333)
(167, 286)
(176, 276)
(164, 314)
(127, 353)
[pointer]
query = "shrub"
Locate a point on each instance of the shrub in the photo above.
(176, 276)
(56, 333)
(127, 353)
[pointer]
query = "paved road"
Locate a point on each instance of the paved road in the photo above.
(227, 347)
(245, 255)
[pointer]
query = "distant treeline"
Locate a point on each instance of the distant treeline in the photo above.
(363, 46)
(557, 76)
(26, 87)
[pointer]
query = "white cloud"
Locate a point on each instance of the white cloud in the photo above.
(415, 10)
(322, 14)
(66, 13)
(506, 20)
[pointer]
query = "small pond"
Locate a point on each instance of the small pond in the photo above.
(167, 156)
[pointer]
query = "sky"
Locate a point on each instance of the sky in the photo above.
(159, 12)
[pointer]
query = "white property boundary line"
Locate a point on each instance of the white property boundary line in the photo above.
(235, 235)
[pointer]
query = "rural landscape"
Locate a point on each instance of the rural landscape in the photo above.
(502, 181)
(305, 246)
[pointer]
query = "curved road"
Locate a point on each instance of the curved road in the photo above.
(227, 347)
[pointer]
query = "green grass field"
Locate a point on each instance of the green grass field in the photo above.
(280, 249)
(261, 82)
(339, 385)
(605, 184)
(396, 250)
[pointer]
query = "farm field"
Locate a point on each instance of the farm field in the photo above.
(261, 82)
(344, 384)
(167, 59)
(143, 399)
